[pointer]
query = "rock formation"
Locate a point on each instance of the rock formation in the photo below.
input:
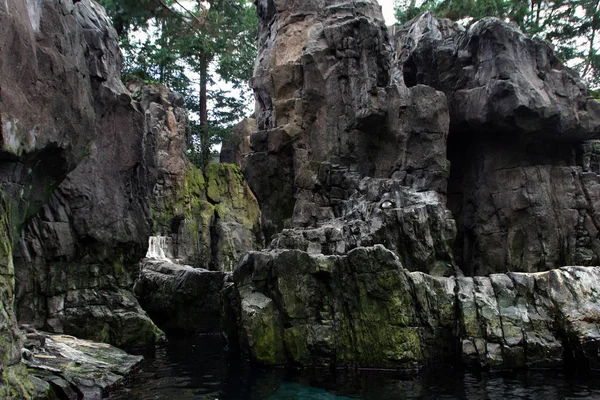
(180, 298)
(89, 171)
(364, 309)
(78, 257)
(394, 162)
(522, 195)
(65, 367)
(385, 170)
(59, 89)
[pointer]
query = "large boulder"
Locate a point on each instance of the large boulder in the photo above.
(359, 309)
(497, 80)
(180, 298)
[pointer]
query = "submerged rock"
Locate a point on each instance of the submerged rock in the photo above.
(66, 367)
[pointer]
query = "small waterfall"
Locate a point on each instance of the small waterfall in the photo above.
(160, 248)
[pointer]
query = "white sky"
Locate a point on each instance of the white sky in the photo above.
(388, 11)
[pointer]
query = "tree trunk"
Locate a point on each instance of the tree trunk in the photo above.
(204, 131)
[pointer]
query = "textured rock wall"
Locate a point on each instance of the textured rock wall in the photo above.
(323, 99)
(58, 75)
(519, 186)
(372, 173)
(180, 298)
(78, 257)
(210, 219)
(364, 309)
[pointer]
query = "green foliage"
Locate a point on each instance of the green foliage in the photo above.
(189, 47)
(572, 26)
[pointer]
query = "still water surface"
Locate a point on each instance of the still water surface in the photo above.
(198, 369)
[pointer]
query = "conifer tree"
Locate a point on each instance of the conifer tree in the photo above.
(188, 46)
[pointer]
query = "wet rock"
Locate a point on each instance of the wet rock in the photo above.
(359, 309)
(68, 367)
(180, 298)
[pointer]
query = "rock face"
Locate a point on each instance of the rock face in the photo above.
(364, 309)
(387, 172)
(59, 89)
(92, 170)
(322, 84)
(235, 150)
(78, 258)
(520, 186)
(179, 298)
(210, 220)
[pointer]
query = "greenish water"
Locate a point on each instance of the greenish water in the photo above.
(199, 369)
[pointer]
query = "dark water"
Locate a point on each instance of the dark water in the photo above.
(199, 369)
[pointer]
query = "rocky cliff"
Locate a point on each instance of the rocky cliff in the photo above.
(59, 89)
(78, 257)
(89, 171)
(397, 159)
(521, 187)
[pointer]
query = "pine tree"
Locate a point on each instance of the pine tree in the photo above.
(189, 46)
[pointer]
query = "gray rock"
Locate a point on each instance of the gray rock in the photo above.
(519, 187)
(68, 367)
(59, 89)
(364, 309)
(497, 80)
(180, 298)
(328, 113)
(78, 257)
(235, 150)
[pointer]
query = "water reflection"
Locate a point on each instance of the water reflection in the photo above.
(199, 369)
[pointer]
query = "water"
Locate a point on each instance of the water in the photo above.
(160, 248)
(199, 369)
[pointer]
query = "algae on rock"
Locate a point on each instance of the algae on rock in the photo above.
(213, 217)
